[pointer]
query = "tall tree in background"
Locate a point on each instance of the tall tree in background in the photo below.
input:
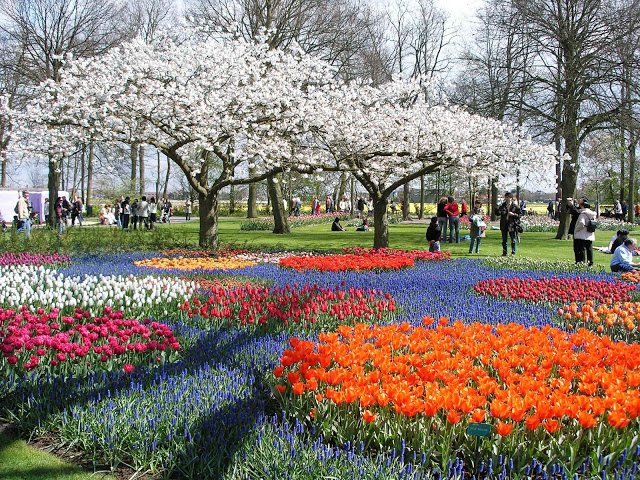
(47, 31)
(574, 44)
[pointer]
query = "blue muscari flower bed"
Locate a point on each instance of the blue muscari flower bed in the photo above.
(212, 414)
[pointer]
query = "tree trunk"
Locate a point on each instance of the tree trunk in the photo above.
(134, 166)
(166, 185)
(82, 172)
(232, 199)
(380, 223)
(280, 218)
(421, 197)
(158, 179)
(623, 152)
(141, 160)
(632, 179)
(89, 174)
(405, 202)
(3, 182)
(252, 205)
(54, 182)
(342, 188)
(74, 188)
(569, 168)
(494, 200)
(208, 205)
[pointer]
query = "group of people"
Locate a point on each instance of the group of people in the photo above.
(63, 209)
(449, 213)
(141, 212)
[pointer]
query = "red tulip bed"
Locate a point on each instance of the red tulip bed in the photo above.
(263, 306)
(555, 290)
(67, 345)
(356, 259)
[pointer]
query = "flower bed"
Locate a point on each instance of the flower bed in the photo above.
(512, 262)
(196, 263)
(618, 320)
(35, 259)
(400, 386)
(362, 259)
(136, 296)
(294, 222)
(79, 343)
(269, 307)
(555, 289)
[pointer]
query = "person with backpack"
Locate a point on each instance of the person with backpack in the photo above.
(510, 225)
(584, 234)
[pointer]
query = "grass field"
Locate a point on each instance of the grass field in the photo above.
(18, 461)
(406, 236)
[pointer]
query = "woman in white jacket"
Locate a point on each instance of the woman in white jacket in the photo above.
(582, 236)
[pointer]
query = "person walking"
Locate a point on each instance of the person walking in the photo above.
(451, 208)
(24, 216)
(443, 220)
(76, 211)
(618, 210)
(187, 210)
(328, 205)
(509, 218)
(143, 212)
(314, 205)
(134, 214)
(583, 236)
(478, 227)
(66, 210)
(59, 209)
(550, 209)
(360, 207)
(126, 213)
(574, 211)
(464, 210)
(153, 212)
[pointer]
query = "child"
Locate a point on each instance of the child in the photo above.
(364, 227)
(478, 226)
(433, 235)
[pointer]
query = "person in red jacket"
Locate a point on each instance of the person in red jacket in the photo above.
(463, 208)
(451, 208)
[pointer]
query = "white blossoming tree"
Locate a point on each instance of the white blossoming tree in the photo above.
(210, 104)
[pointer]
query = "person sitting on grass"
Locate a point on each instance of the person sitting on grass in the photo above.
(364, 227)
(622, 260)
(336, 226)
(433, 235)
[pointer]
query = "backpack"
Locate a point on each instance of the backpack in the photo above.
(591, 226)
(16, 209)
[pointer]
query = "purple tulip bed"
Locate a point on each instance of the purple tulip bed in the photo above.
(158, 371)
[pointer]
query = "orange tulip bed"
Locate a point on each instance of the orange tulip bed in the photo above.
(618, 320)
(540, 388)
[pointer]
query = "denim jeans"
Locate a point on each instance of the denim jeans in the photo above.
(504, 242)
(454, 223)
(60, 226)
(26, 228)
(442, 222)
(477, 242)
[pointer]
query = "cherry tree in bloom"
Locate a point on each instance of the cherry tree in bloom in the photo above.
(212, 103)
(208, 103)
(390, 135)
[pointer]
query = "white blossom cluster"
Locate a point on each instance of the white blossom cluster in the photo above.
(136, 296)
(194, 93)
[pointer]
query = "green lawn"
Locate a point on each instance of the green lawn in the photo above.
(536, 245)
(18, 461)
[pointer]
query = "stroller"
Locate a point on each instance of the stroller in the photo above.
(164, 218)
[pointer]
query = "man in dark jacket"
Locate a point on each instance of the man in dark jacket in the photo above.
(509, 219)
(575, 210)
(433, 235)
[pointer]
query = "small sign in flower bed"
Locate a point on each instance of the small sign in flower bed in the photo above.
(555, 289)
(362, 259)
(194, 263)
(80, 343)
(277, 307)
(400, 386)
